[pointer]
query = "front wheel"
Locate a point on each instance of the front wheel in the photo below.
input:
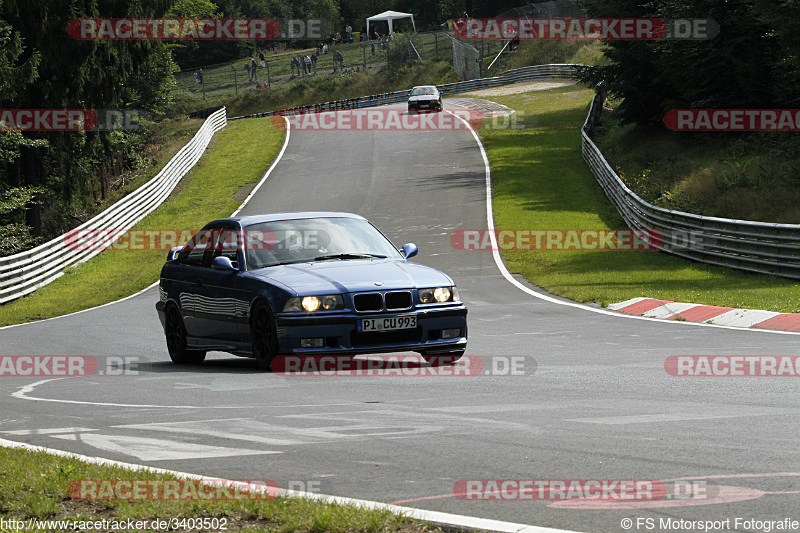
(443, 358)
(264, 335)
(175, 332)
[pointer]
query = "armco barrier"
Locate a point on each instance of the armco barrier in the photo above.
(761, 247)
(511, 76)
(753, 246)
(23, 273)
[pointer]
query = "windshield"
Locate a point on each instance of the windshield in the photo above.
(314, 239)
(419, 91)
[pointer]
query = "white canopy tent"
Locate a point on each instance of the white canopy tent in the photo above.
(390, 16)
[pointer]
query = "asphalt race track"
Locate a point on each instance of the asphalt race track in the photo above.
(594, 400)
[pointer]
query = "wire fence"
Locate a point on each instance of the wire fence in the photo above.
(339, 60)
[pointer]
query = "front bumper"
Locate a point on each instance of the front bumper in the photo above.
(424, 104)
(340, 332)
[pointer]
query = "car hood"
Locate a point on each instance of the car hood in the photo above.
(353, 275)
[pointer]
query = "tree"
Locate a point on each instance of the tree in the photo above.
(70, 74)
(732, 70)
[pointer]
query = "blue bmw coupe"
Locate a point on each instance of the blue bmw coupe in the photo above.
(305, 283)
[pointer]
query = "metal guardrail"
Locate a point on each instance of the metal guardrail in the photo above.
(510, 76)
(23, 273)
(747, 245)
(762, 247)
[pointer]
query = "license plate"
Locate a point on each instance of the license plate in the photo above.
(389, 323)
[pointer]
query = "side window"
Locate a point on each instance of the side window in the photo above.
(226, 244)
(195, 250)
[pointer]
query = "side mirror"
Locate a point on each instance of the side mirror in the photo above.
(222, 263)
(173, 253)
(409, 250)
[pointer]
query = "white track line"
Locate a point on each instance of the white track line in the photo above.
(22, 394)
(269, 170)
(260, 183)
(506, 274)
(418, 514)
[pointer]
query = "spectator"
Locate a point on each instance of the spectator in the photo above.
(325, 48)
(200, 75)
(196, 79)
(249, 73)
(254, 69)
(349, 31)
(295, 64)
(314, 62)
(372, 46)
(307, 61)
(338, 60)
(302, 64)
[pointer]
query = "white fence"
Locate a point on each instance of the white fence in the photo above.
(23, 273)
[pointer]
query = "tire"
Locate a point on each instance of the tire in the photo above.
(443, 358)
(175, 332)
(263, 335)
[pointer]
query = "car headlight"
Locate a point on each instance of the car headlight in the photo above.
(310, 304)
(438, 295)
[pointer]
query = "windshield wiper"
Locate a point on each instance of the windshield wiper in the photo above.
(294, 262)
(348, 256)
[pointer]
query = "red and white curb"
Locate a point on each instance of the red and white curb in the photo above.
(709, 314)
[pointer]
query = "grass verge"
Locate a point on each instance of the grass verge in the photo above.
(748, 176)
(238, 156)
(541, 182)
(36, 486)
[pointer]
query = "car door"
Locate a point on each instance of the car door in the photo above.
(221, 303)
(186, 285)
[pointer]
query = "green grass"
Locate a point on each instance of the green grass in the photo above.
(541, 182)
(35, 485)
(237, 156)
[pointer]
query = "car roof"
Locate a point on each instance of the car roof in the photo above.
(274, 217)
(425, 87)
